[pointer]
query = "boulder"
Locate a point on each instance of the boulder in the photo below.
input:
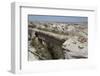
(74, 48)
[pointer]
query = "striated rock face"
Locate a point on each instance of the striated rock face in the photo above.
(41, 49)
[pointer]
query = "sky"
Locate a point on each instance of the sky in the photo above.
(57, 18)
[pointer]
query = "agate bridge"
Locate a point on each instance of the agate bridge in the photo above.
(53, 40)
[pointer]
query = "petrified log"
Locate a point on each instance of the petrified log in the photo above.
(53, 44)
